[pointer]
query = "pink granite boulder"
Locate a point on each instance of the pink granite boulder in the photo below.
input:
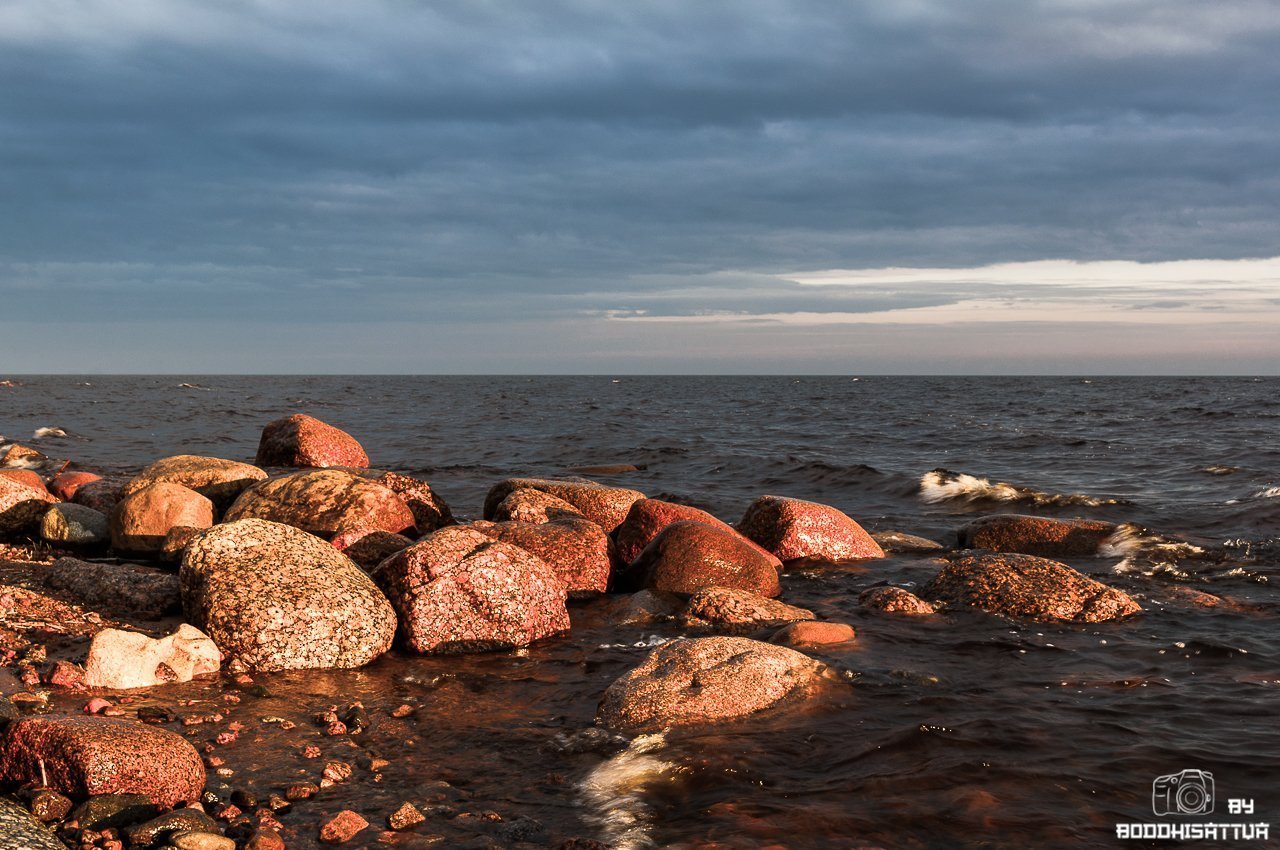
(21, 505)
(732, 611)
(534, 506)
(142, 520)
(646, 519)
(301, 440)
(894, 600)
(1036, 535)
(577, 549)
(220, 481)
(793, 528)
(689, 556)
(429, 510)
(325, 502)
(605, 506)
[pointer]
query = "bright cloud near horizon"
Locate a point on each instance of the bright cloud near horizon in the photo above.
(751, 186)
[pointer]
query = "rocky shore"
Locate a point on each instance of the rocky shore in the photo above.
(117, 597)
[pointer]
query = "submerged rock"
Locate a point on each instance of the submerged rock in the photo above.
(1028, 587)
(1036, 535)
(648, 517)
(273, 597)
(301, 440)
(688, 556)
(458, 590)
(793, 528)
(577, 549)
(900, 541)
(69, 524)
(121, 660)
(894, 600)
(21, 505)
(534, 506)
(120, 590)
(220, 481)
(704, 680)
(738, 611)
(605, 506)
(142, 520)
(325, 502)
(813, 633)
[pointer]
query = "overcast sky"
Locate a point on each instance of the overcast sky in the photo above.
(600, 186)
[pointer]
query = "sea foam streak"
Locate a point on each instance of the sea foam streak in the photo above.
(41, 433)
(614, 793)
(943, 485)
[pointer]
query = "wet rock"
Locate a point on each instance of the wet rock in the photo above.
(302, 440)
(648, 517)
(24, 476)
(21, 505)
(65, 484)
(605, 506)
(120, 659)
(178, 820)
(142, 519)
(66, 675)
(736, 611)
(894, 600)
(404, 817)
(20, 831)
(69, 524)
(458, 590)
(121, 590)
(429, 510)
(113, 811)
(688, 556)
(813, 633)
(793, 529)
(369, 548)
(8, 711)
(101, 495)
(265, 839)
(22, 457)
(577, 549)
(201, 841)
(533, 506)
(901, 542)
(1028, 587)
(342, 827)
(273, 597)
(702, 680)
(647, 606)
(325, 502)
(85, 756)
(1034, 535)
(49, 806)
(220, 481)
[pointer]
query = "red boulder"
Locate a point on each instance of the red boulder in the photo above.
(302, 440)
(605, 506)
(65, 484)
(793, 529)
(647, 517)
(577, 549)
(21, 505)
(325, 502)
(688, 556)
(1036, 535)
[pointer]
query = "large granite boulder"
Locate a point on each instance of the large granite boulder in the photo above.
(21, 505)
(220, 481)
(527, 505)
(325, 502)
(1028, 588)
(458, 590)
(24, 476)
(689, 556)
(301, 440)
(605, 506)
(82, 756)
(577, 549)
(793, 528)
(120, 660)
(704, 680)
(273, 597)
(646, 519)
(142, 520)
(1036, 535)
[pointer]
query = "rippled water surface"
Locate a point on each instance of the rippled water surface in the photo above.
(959, 731)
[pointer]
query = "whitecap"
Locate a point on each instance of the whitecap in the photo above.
(614, 793)
(41, 433)
(943, 485)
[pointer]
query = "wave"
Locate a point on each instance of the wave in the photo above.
(1131, 539)
(943, 485)
(42, 433)
(614, 793)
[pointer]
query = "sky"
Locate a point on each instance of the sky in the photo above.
(582, 186)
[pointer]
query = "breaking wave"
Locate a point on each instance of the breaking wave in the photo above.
(943, 485)
(42, 433)
(614, 793)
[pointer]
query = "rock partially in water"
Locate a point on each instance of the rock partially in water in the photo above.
(301, 440)
(85, 756)
(142, 520)
(813, 633)
(458, 590)
(605, 506)
(1028, 587)
(689, 556)
(69, 524)
(179, 820)
(21, 505)
(22, 457)
(21, 831)
(735, 611)
(220, 481)
(325, 502)
(342, 827)
(113, 811)
(273, 597)
(645, 607)
(369, 548)
(894, 600)
(65, 484)
(648, 517)
(121, 590)
(121, 660)
(793, 528)
(1036, 535)
(704, 680)
(901, 542)
(577, 549)
(527, 505)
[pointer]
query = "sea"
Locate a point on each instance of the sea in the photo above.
(955, 731)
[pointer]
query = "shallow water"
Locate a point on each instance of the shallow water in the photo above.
(961, 731)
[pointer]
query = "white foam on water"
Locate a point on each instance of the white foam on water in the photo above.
(1268, 493)
(942, 485)
(41, 433)
(614, 793)
(647, 643)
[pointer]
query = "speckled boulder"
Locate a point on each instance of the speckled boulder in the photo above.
(325, 502)
(605, 506)
(526, 505)
(22, 457)
(688, 556)
(142, 519)
(646, 519)
(273, 597)
(65, 484)
(458, 590)
(894, 600)
(301, 440)
(1036, 535)
(220, 481)
(793, 529)
(102, 494)
(369, 548)
(429, 510)
(21, 506)
(577, 549)
(69, 524)
(98, 755)
(705, 680)
(1029, 588)
(24, 476)
(734, 611)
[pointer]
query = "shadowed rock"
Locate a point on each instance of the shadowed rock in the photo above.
(301, 440)
(736, 611)
(648, 517)
(368, 549)
(325, 502)
(21, 506)
(102, 494)
(1036, 535)
(69, 524)
(894, 600)
(430, 512)
(119, 590)
(793, 528)
(605, 506)
(577, 549)
(688, 556)
(533, 506)
(142, 520)
(219, 481)
(899, 541)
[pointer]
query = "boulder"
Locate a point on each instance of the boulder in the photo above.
(273, 597)
(176, 543)
(24, 476)
(605, 506)
(117, 590)
(1027, 587)
(83, 756)
(21, 506)
(1036, 535)
(646, 519)
(458, 590)
(894, 600)
(142, 519)
(429, 510)
(369, 548)
(704, 680)
(22, 457)
(220, 481)
(645, 607)
(577, 549)
(813, 633)
(102, 494)
(325, 502)
(65, 484)
(121, 660)
(534, 506)
(793, 528)
(69, 524)
(738, 611)
(688, 556)
(302, 440)
(179, 820)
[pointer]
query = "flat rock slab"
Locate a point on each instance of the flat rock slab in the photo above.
(119, 590)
